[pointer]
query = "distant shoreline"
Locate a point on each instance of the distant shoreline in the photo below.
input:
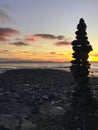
(2, 62)
(4, 66)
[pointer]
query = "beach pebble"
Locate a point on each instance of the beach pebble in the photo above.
(79, 129)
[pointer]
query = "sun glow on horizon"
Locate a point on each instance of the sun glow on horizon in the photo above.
(93, 57)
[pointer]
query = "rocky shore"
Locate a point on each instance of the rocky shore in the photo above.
(37, 99)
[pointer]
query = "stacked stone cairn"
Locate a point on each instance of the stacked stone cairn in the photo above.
(80, 64)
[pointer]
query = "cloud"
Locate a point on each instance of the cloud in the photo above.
(61, 54)
(3, 39)
(63, 43)
(60, 37)
(19, 43)
(49, 36)
(53, 53)
(3, 51)
(7, 32)
(7, 7)
(29, 38)
(4, 17)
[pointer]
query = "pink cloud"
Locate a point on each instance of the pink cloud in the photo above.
(7, 32)
(30, 38)
(3, 39)
(63, 43)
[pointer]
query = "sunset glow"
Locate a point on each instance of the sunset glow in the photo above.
(42, 30)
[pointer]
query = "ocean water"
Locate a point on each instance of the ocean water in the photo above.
(63, 66)
(7, 66)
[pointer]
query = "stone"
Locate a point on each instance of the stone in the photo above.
(12, 122)
(28, 125)
(51, 111)
(8, 121)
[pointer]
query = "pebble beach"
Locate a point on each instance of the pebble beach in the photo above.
(36, 99)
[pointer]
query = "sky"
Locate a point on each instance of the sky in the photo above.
(42, 30)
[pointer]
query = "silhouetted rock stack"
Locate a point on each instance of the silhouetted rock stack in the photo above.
(80, 64)
(82, 113)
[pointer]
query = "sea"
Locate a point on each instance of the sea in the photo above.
(45, 65)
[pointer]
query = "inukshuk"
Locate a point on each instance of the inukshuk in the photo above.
(80, 65)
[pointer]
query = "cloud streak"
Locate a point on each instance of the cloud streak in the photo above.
(19, 43)
(53, 53)
(4, 51)
(63, 43)
(49, 36)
